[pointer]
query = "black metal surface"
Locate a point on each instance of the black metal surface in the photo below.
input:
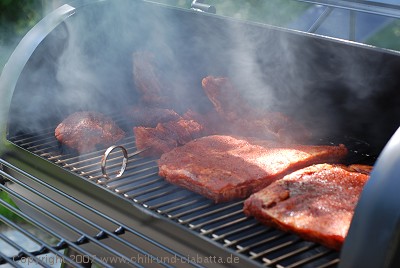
(380, 193)
(222, 223)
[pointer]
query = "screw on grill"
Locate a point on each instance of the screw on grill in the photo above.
(125, 159)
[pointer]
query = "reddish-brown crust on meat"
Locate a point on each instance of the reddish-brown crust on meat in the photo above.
(227, 101)
(211, 121)
(316, 202)
(148, 80)
(150, 116)
(365, 169)
(224, 168)
(166, 136)
(84, 131)
(241, 119)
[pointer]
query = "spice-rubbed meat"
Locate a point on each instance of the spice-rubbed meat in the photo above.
(227, 101)
(242, 119)
(148, 80)
(365, 169)
(84, 131)
(210, 121)
(150, 116)
(316, 202)
(166, 136)
(224, 168)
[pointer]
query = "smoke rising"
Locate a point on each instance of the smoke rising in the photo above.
(86, 64)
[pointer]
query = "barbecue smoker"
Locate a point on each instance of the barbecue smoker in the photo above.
(79, 57)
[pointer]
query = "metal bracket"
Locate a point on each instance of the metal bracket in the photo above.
(199, 5)
(2, 179)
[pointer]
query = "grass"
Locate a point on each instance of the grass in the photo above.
(6, 212)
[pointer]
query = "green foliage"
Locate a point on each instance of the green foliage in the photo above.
(17, 17)
(389, 37)
(4, 211)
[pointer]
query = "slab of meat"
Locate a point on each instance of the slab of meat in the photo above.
(224, 168)
(365, 169)
(84, 131)
(227, 100)
(148, 79)
(166, 136)
(150, 116)
(242, 119)
(211, 122)
(316, 202)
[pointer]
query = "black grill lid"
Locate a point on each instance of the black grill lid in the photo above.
(374, 235)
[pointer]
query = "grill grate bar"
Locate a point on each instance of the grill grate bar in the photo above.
(148, 191)
(77, 160)
(39, 149)
(87, 237)
(221, 209)
(76, 166)
(49, 247)
(109, 183)
(272, 249)
(332, 263)
(222, 226)
(236, 231)
(119, 187)
(126, 173)
(21, 251)
(261, 242)
(288, 255)
(71, 158)
(217, 219)
(5, 259)
(121, 229)
(192, 199)
(29, 138)
(179, 199)
(306, 260)
(245, 238)
(170, 190)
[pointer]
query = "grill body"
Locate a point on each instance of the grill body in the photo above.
(79, 58)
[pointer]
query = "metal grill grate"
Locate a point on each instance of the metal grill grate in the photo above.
(49, 247)
(222, 223)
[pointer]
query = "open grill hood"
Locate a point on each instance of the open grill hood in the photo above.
(80, 58)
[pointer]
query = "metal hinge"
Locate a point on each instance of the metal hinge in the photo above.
(199, 5)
